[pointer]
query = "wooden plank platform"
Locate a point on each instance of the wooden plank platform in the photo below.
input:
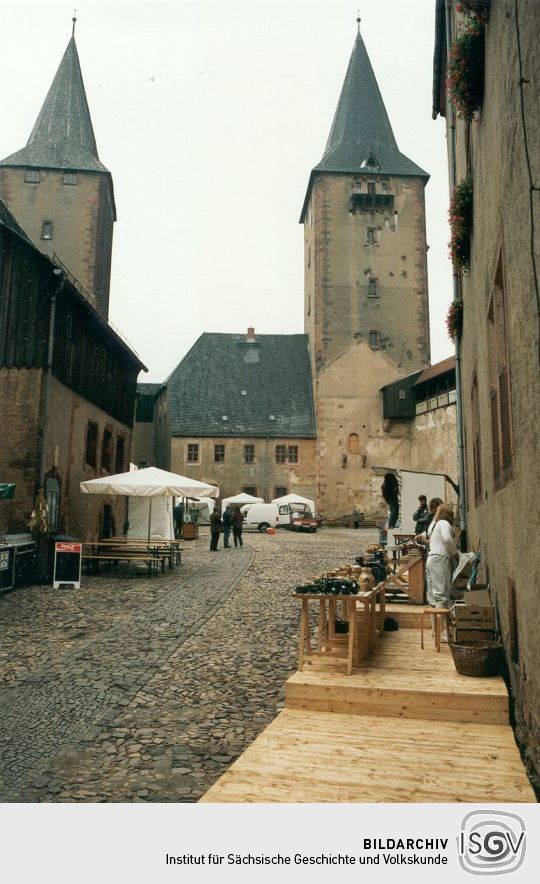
(406, 614)
(330, 757)
(399, 680)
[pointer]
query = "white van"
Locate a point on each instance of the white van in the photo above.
(262, 516)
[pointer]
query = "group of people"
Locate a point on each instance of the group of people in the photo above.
(232, 520)
(434, 525)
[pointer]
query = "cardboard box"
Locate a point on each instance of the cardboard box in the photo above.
(474, 615)
(478, 594)
(474, 635)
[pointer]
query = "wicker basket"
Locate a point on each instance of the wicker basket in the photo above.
(478, 659)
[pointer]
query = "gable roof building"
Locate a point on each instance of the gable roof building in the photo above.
(238, 412)
(243, 385)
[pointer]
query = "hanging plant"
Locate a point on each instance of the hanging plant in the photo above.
(465, 70)
(477, 9)
(454, 319)
(461, 221)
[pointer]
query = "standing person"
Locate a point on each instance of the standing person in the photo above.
(178, 518)
(215, 530)
(227, 525)
(390, 492)
(357, 516)
(237, 524)
(424, 536)
(442, 552)
(422, 516)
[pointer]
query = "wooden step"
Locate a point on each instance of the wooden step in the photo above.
(407, 615)
(327, 757)
(399, 681)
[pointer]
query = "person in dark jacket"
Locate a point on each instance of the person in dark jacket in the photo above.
(390, 493)
(215, 530)
(227, 525)
(178, 516)
(422, 515)
(237, 525)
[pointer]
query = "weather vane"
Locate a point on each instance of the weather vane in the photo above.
(74, 20)
(358, 20)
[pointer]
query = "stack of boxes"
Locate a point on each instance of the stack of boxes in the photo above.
(473, 620)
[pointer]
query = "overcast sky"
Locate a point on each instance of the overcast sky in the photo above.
(210, 115)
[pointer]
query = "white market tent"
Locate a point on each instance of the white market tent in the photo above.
(295, 498)
(240, 499)
(205, 506)
(149, 482)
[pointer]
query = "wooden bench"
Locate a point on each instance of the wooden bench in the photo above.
(113, 552)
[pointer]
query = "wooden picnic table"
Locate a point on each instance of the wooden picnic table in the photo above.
(127, 549)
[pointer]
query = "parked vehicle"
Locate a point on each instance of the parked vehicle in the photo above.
(262, 516)
(303, 521)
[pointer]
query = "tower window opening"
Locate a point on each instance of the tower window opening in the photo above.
(374, 339)
(371, 236)
(47, 230)
(32, 176)
(371, 187)
(70, 178)
(373, 289)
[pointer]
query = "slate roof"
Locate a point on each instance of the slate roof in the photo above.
(224, 375)
(361, 138)
(435, 371)
(63, 136)
(148, 389)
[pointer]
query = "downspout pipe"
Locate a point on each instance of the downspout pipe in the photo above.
(48, 375)
(457, 296)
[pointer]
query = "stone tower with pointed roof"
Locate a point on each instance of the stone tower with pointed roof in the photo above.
(58, 189)
(366, 292)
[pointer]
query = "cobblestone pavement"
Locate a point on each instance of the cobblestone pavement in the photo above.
(137, 689)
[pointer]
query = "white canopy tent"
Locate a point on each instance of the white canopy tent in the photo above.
(205, 506)
(240, 500)
(149, 483)
(295, 498)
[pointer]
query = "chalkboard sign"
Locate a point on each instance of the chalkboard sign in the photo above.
(7, 567)
(67, 564)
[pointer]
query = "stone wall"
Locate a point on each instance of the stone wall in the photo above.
(20, 406)
(82, 215)
(81, 514)
(362, 338)
(233, 474)
(502, 511)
